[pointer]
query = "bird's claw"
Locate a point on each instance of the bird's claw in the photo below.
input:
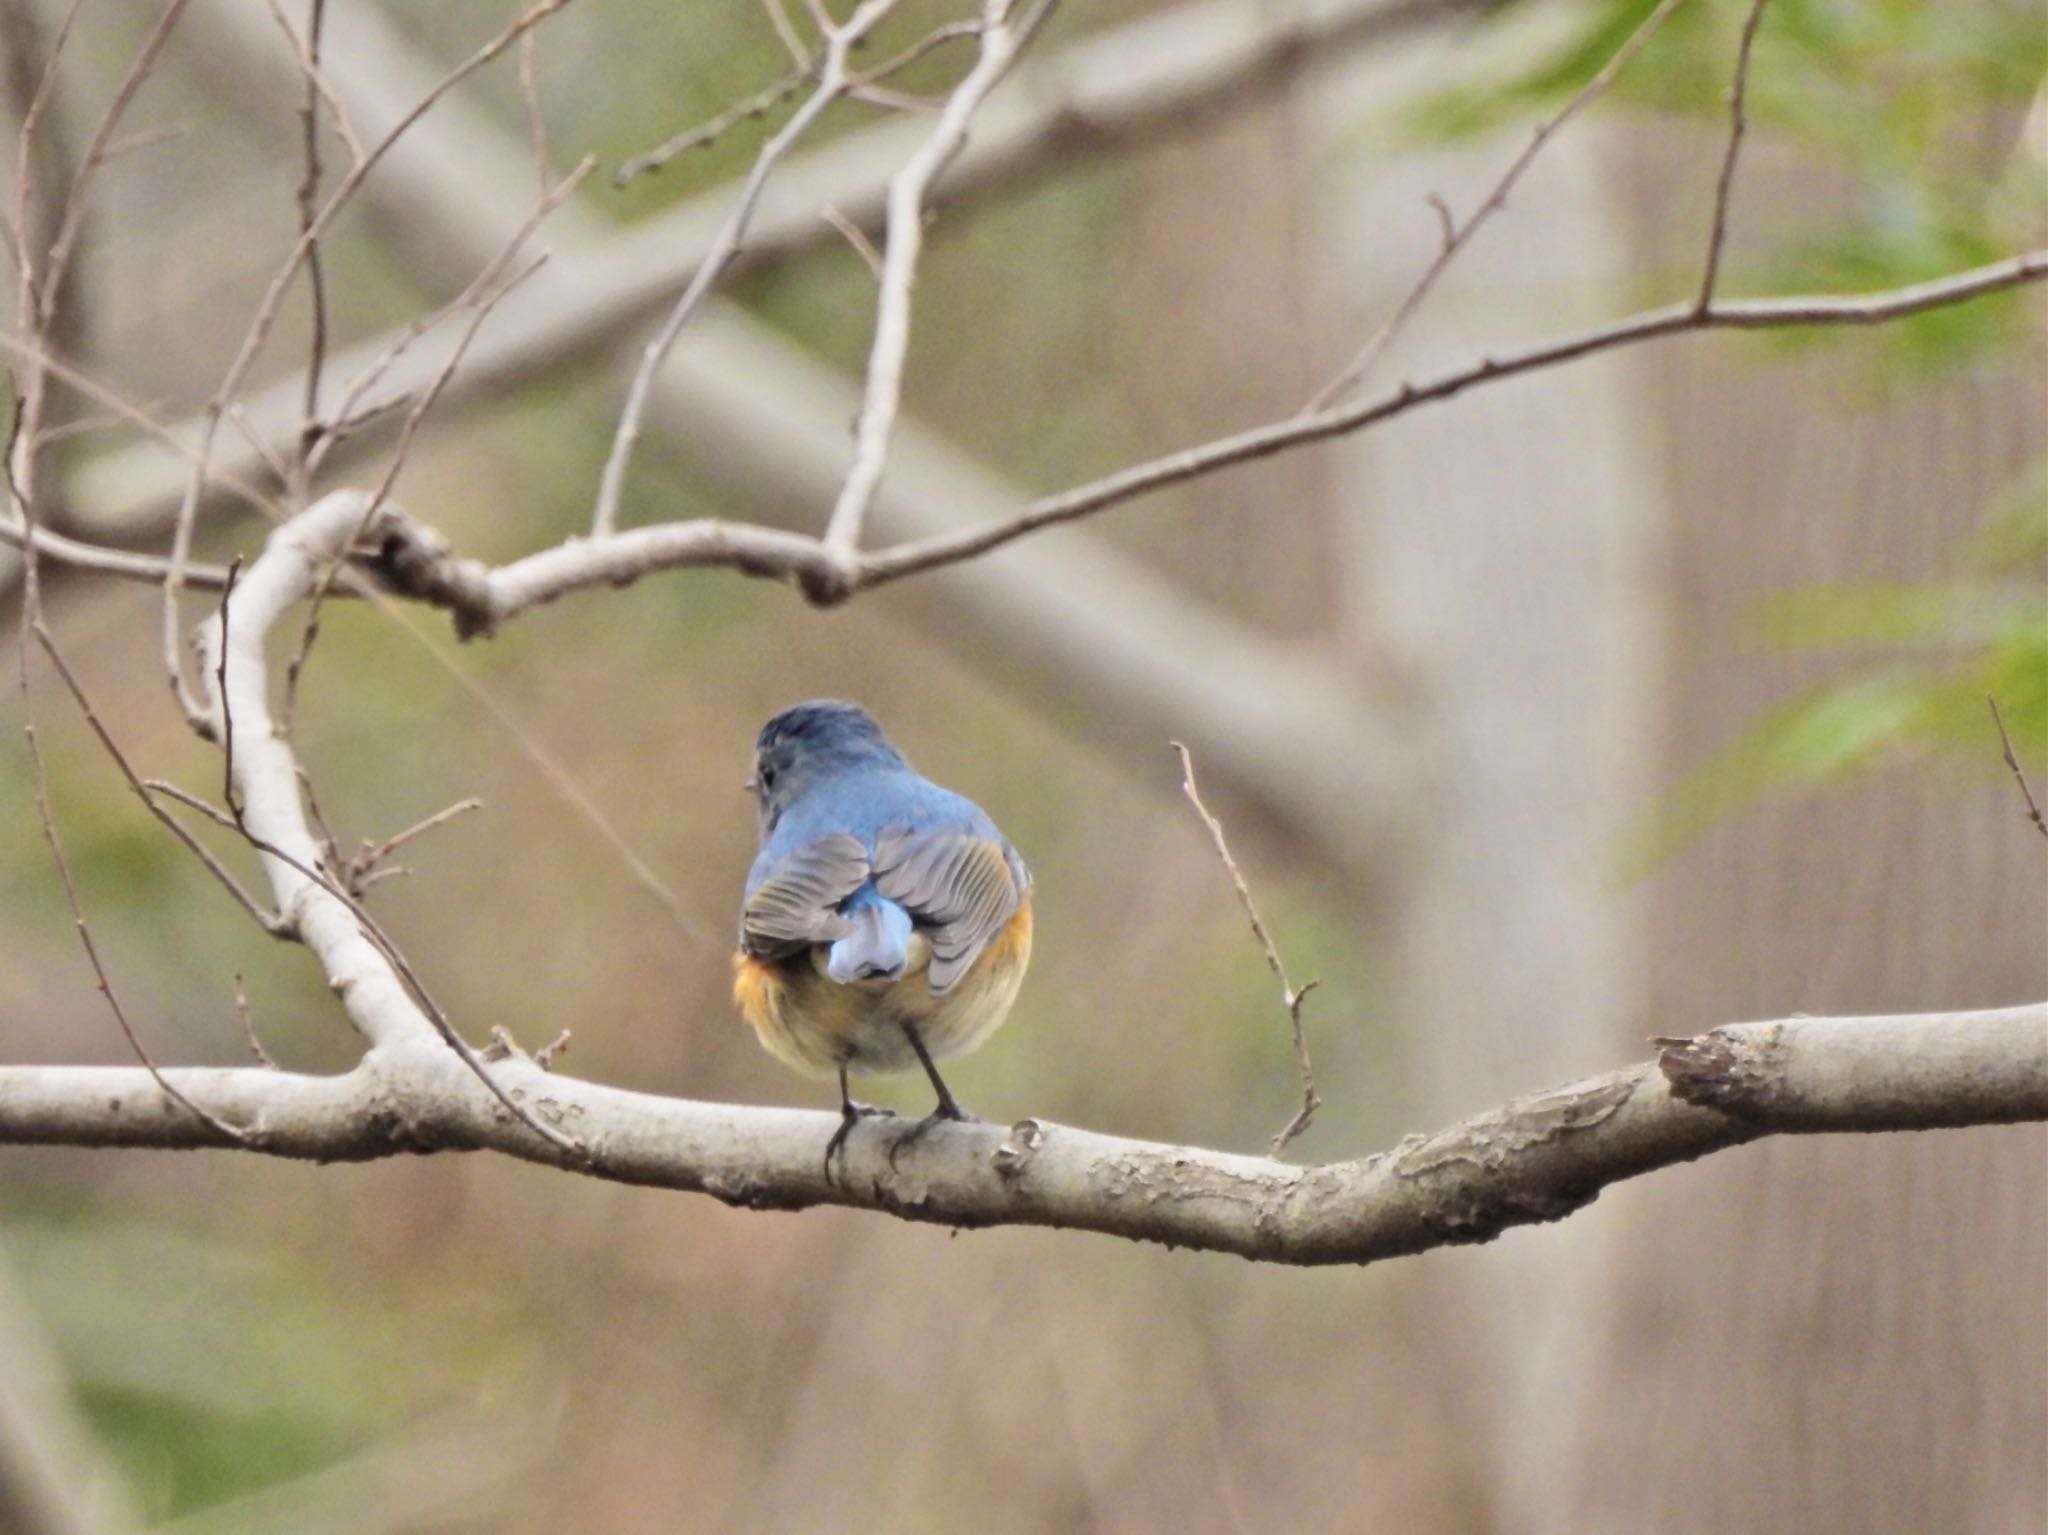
(851, 1113)
(947, 1112)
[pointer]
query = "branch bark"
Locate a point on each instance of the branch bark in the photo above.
(1531, 1160)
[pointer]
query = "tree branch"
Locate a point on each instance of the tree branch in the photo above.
(420, 564)
(1534, 1159)
(1276, 437)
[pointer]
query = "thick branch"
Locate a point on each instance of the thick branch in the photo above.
(1535, 1159)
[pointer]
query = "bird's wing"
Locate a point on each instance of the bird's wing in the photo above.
(795, 904)
(962, 889)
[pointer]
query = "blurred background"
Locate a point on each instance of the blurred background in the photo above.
(1621, 700)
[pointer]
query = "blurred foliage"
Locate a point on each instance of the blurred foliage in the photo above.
(1916, 107)
(196, 1401)
(1937, 652)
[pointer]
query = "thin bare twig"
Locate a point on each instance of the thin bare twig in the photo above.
(400, 454)
(350, 412)
(708, 132)
(249, 1025)
(36, 357)
(785, 30)
(1000, 40)
(838, 44)
(227, 745)
(2012, 761)
(32, 625)
(32, 545)
(316, 272)
(529, 103)
(863, 247)
(1738, 125)
(146, 790)
(279, 469)
(266, 317)
(147, 138)
(1291, 996)
(1458, 236)
(72, 220)
(316, 76)
(1341, 420)
(360, 870)
(938, 37)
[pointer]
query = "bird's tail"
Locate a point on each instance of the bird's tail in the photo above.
(878, 948)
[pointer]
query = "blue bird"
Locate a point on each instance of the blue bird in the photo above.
(887, 922)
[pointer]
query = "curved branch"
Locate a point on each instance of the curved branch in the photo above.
(1534, 1159)
(1277, 437)
(421, 565)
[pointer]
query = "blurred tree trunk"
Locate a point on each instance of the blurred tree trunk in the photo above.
(1820, 1335)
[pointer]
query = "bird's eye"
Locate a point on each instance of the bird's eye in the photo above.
(765, 776)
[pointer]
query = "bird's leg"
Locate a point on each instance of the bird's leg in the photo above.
(949, 1106)
(851, 1113)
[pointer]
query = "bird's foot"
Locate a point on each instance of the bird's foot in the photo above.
(948, 1112)
(851, 1113)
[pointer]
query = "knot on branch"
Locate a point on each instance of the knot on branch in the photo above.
(828, 579)
(1721, 1071)
(416, 561)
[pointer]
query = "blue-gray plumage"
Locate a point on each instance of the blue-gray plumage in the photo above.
(887, 921)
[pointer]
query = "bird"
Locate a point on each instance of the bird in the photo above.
(886, 923)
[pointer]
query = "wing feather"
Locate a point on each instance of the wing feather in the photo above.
(796, 904)
(961, 889)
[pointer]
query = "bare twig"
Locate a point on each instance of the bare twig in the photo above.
(249, 1025)
(280, 471)
(146, 790)
(360, 870)
(536, 121)
(785, 30)
(999, 38)
(308, 196)
(72, 220)
(1458, 236)
(32, 625)
(266, 317)
(227, 723)
(36, 358)
(315, 75)
(482, 597)
(1291, 996)
(839, 41)
(147, 138)
(1738, 124)
(863, 247)
(708, 132)
(1341, 420)
(350, 412)
(938, 37)
(399, 456)
(2012, 761)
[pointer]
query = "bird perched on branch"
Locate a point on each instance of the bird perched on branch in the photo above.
(887, 921)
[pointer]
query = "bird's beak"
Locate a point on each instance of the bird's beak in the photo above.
(752, 786)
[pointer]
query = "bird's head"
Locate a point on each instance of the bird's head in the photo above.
(808, 743)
